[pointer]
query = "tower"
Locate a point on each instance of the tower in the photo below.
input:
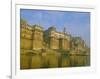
(37, 37)
(64, 30)
(64, 40)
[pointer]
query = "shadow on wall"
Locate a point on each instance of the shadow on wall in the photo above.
(52, 60)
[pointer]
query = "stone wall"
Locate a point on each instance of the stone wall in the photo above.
(50, 49)
(54, 43)
(52, 59)
(26, 38)
(37, 39)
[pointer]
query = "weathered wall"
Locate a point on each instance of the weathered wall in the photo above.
(36, 53)
(54, 43)
(26, 38)
(64, 44)
(52, 60)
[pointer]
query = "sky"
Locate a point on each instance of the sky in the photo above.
(76, 23)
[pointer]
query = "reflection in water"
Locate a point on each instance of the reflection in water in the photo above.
(53, 60)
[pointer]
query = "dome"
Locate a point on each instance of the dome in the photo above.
(53, 28)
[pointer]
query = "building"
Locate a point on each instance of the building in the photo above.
(57, 40)
(41, 48)
(35, 36)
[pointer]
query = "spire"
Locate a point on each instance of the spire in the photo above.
(64, 30)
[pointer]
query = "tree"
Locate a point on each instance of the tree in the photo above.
(23, 21)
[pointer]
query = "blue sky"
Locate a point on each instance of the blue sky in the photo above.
(76, 23)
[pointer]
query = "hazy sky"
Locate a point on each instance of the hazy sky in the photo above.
(76, 23)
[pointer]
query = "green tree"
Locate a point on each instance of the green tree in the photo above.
(23, 21)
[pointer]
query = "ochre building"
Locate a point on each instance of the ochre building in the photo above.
(41, 48)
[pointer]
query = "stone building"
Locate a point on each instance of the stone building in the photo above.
(57, 40)
(26, 37)
(78, 44)
(31, 37)
(37, 37)
(41, 48)
(51, 38)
